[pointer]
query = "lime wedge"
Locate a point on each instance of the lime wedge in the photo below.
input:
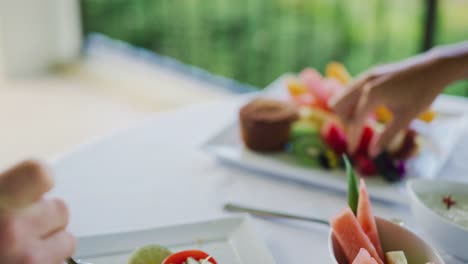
(151, 254)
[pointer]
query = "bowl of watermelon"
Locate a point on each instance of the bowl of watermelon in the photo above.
(358, 237)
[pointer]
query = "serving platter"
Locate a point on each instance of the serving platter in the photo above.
(230, 240)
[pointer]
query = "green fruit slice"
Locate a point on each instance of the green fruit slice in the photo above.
(353, 189)
(304, 128)
(151, 254)
(307, 150)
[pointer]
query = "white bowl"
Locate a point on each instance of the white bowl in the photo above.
(445, 234)
(394, 237)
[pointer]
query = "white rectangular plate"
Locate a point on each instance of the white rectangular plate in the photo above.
(439, 139)
(228, 240)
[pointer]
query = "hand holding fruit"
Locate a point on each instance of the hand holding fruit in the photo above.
(406, 88)
(32, 229)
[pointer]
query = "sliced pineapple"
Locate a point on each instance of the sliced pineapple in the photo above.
(396, 257)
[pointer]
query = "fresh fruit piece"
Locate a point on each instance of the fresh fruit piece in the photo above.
(351, 237)
(316, 115)
(401, 167)
(396, 142)
(338, 71)
(310, 77)
(314, 81)
(149, 254)
(408, 146)
(366, 138)
(182, 256)
(428, 116)
(328, 159)
(303, 128)
(365, 165)
(353, 189)
(396, 257)
(295, 87)
(387, 167)
(306, 99)
(383, 115)
(307, 151)
(363, 257)
(332, 87)
(334, 137)
(310, 101)
(305, 143)
(366, 218)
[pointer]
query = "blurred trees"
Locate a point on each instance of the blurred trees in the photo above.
(255, 41)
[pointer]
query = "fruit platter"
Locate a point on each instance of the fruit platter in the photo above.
(289, 130)
(305, 126)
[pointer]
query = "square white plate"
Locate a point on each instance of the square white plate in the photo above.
(439, 139)
(229, 240)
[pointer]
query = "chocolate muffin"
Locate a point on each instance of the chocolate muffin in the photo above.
(266, 124)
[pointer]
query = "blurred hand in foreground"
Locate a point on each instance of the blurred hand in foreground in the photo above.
(32, 229)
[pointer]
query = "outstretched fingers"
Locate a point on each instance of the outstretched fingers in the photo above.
(368, 101)
(344, 104)
(399, 123)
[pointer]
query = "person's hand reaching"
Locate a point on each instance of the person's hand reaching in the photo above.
(32, 228)
(406, 88)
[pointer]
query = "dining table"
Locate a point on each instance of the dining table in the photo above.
(156, 173)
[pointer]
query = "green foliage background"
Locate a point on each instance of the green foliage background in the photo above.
(255, 41)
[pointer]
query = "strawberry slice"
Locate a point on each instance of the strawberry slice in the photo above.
(366, 138)
(334, 136)
(365, 165)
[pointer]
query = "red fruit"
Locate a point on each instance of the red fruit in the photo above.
(366, 138)
(334, 137)
(365, 166)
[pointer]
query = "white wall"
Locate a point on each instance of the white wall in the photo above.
(38, 34)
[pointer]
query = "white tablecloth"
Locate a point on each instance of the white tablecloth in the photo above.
(155, 174)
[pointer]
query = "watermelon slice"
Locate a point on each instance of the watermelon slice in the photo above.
(351, 237)
(366, 218)
(333, 87)
(364, 258)
(306, 99)
(314, 81)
